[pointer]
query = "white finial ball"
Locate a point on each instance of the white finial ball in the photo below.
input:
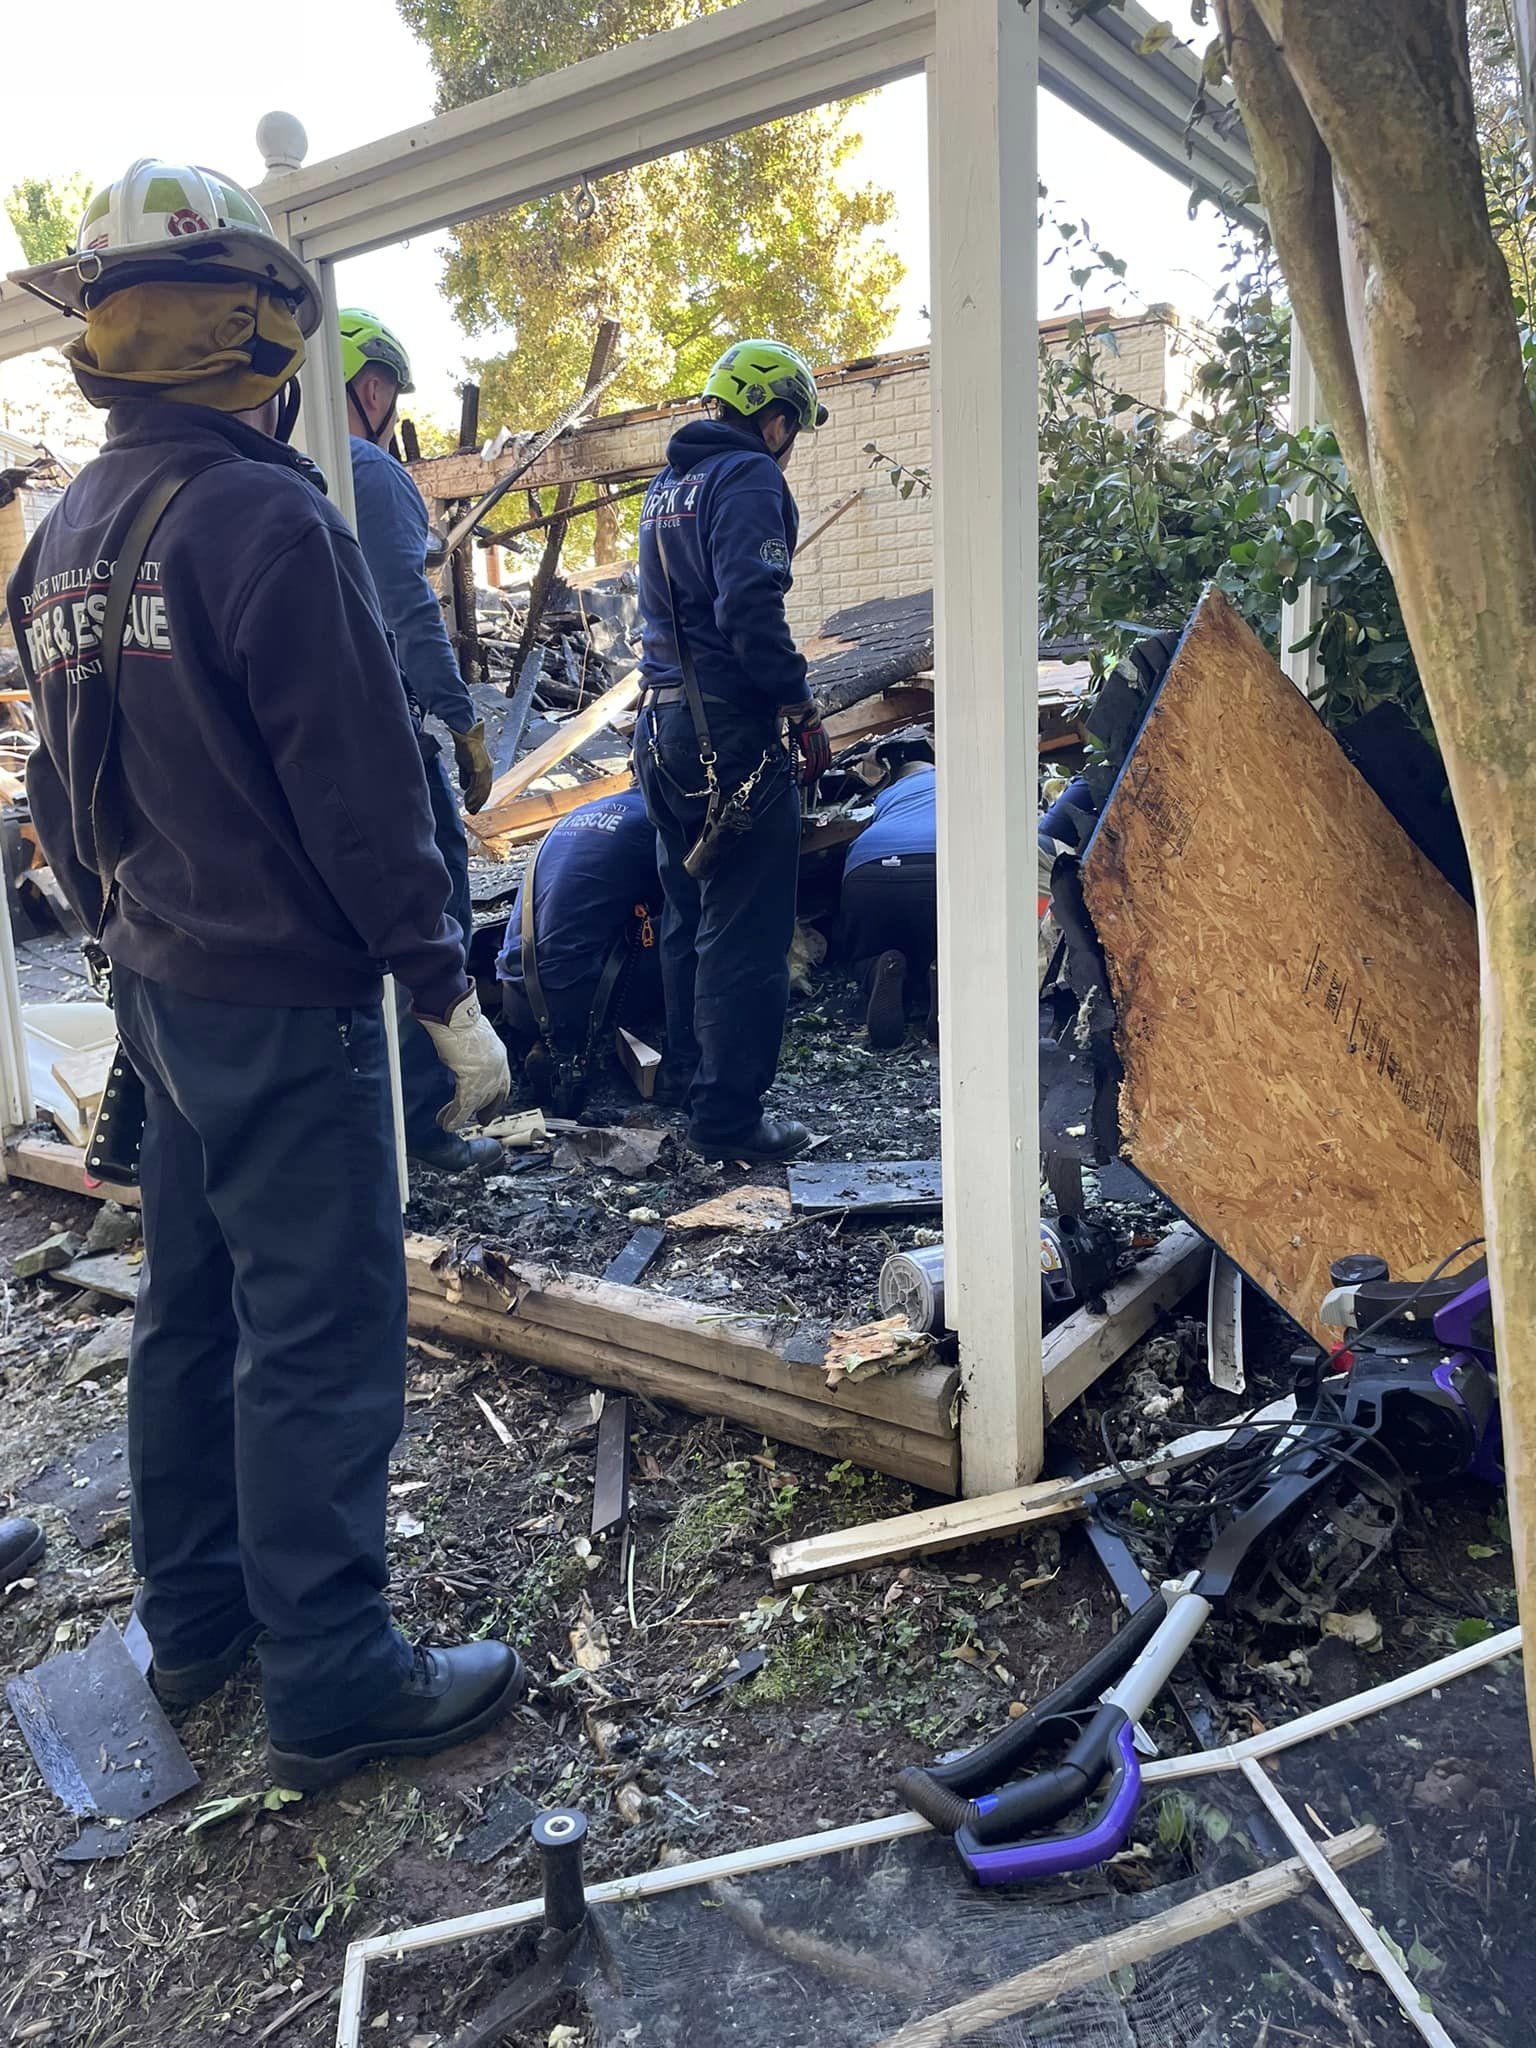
(281, 139)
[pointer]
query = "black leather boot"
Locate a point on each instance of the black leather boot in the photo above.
(448, 1697)
(449, 1153)
(183, 1685)
(22, 1544)
(885, 1018)
(770, 1140)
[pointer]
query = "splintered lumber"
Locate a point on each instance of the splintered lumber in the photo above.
(927, 1531)
(908, 703)
(530, 817)
(602, 357)
(640, 1061)
(829, 518)
(522, 775)
(1086, 1345)
(53, 1165)
(689, 1354)
(1123, 1947)
(1295, 985)
(83, 1076)
(927, 1461)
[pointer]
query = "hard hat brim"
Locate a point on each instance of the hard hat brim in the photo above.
(243, 252)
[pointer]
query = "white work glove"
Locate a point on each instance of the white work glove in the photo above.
(468, 1047)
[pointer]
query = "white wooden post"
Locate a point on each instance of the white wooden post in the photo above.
(982, 169)
(1298, 619)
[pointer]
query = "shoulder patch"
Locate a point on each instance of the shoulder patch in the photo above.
(775, 553)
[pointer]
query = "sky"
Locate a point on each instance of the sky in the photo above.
(352, 72)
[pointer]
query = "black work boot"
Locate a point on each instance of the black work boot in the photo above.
(22, 1544)
(449, 1153)
(447, 1697)
(183, 1685)
(885, 1018)
(771, 1140)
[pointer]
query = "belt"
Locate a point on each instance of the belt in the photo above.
(673, 693)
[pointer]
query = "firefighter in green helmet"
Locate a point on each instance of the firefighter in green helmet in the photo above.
(727, 735)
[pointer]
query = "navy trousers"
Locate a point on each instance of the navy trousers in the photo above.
(266, 1381)
(426, 1085)
(724, 939)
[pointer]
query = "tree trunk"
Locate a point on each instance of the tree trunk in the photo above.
(1361, 122)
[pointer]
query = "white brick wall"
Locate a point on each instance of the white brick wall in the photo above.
(883, 545)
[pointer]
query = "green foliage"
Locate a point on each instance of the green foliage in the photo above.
(757, 233)
(1140, 509)
(45, 212)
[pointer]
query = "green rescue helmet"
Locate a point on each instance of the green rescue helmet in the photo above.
(364, 340)
(169, 220)
(752, 375)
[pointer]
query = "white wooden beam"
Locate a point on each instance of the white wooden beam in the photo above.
(714, 76)
(982, 170)
(1094, 62)
(1297, 620)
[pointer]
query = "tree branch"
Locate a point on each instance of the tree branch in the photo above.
(1296, 180)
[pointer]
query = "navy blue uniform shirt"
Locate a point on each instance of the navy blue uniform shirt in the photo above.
(731, 526)
(594, 867)
(392, 526)
(278, 839)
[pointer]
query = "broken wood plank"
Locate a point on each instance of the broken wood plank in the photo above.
(543, 577)
(630, 1263)
(640, 1061)
(83, 1076)
(928, 1531)
(809, 539)
(519, 778)
(725, 1347)
(530, 817)
(830, 1428)
(1086, 1345)
(908, 704)
(1296, 986)
(600, 504)
(1123, 1947)
(610, 1480)
(53, 1165)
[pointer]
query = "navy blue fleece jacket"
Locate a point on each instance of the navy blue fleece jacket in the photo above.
(592, 871)
(392, 526)
(730, 526)
(267, 784)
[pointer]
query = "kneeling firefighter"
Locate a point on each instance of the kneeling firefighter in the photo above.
(228, 788)
(580, 954)
(723, 684)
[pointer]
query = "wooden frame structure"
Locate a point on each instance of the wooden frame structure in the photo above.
(754, 62)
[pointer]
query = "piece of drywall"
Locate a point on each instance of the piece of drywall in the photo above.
(1296, 987)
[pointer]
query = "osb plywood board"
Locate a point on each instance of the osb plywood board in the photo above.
(1295, 985)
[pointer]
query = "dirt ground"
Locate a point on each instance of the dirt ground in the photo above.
(228, 1917)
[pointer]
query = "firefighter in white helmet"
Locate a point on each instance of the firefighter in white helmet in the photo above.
(240, 815)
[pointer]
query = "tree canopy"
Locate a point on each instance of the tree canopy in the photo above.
(45, 212)
(759, 233)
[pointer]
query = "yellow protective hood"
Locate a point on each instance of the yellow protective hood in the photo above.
(230, 346)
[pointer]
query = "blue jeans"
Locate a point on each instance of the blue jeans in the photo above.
(266, 1380)
(725, 938)
(425, 1083)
